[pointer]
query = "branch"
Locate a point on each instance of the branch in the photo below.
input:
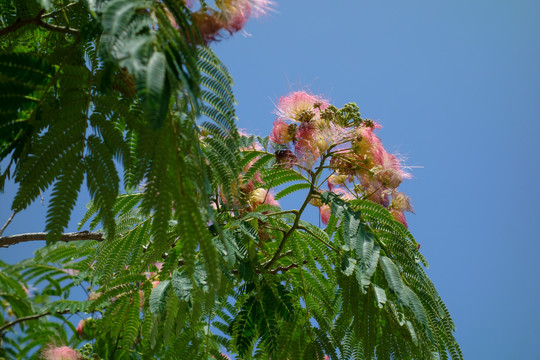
(21, 319)
(38, 21)
(294, 227)
(7, 223)
(6, 241)
(288, 267)
(30, 317)
(273, 271)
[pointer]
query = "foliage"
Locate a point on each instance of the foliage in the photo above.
(103, 84)
(198, 258)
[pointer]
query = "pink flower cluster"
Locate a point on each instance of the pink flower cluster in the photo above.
(308, 128)
(231, 16)
(60, 353)
(300, 126)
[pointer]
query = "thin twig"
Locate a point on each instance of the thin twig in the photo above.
(288, 267)
(6, 241)
(7, 223)
(62, 9)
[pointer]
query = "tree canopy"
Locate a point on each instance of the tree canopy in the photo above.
(188, 253)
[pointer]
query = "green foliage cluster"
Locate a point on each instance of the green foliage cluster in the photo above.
(99, 91)
(105, 86)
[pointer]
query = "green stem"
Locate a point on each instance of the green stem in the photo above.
(288, 234)
(301, 227)
(283, 212)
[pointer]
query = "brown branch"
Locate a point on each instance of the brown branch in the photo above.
(30, 317)
(6, 241)
(21, 319)
(288, 267)
(38, 21)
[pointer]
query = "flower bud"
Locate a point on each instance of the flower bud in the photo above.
(80, 327)
(401, 202)
(390, 178)
(325, 214)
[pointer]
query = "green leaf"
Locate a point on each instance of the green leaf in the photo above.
(158, 297)
(348, 265)
(414, 303)
(157, 92)
(393, 276)
(26, 68)
(368, 257)
(380, 294)
(182, 285)
(290, 189)
(63, 200)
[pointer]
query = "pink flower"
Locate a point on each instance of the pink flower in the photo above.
(328, 134)
(386, 167)
(389, 161)
(399, 216)
(344, 193)
(390, 178)
(375, 191)
(60, 353)
(260, 7)
(369, 146)
(209, 25)
(80, 327)
(260, 196)
(280, 133)
(294, 104)
(325, 214)
(237, 12)
(336, 181)
(401, 202)
(237, 20)
(306, 148)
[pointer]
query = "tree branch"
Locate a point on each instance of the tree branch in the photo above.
(21, 319)
(288, 267)
(30, 317)
(7, 223)
(38, 21)
(6, 241)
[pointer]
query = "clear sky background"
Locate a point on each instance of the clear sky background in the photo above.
(456, 86)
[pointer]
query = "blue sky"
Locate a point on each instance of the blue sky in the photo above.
(456, 86)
